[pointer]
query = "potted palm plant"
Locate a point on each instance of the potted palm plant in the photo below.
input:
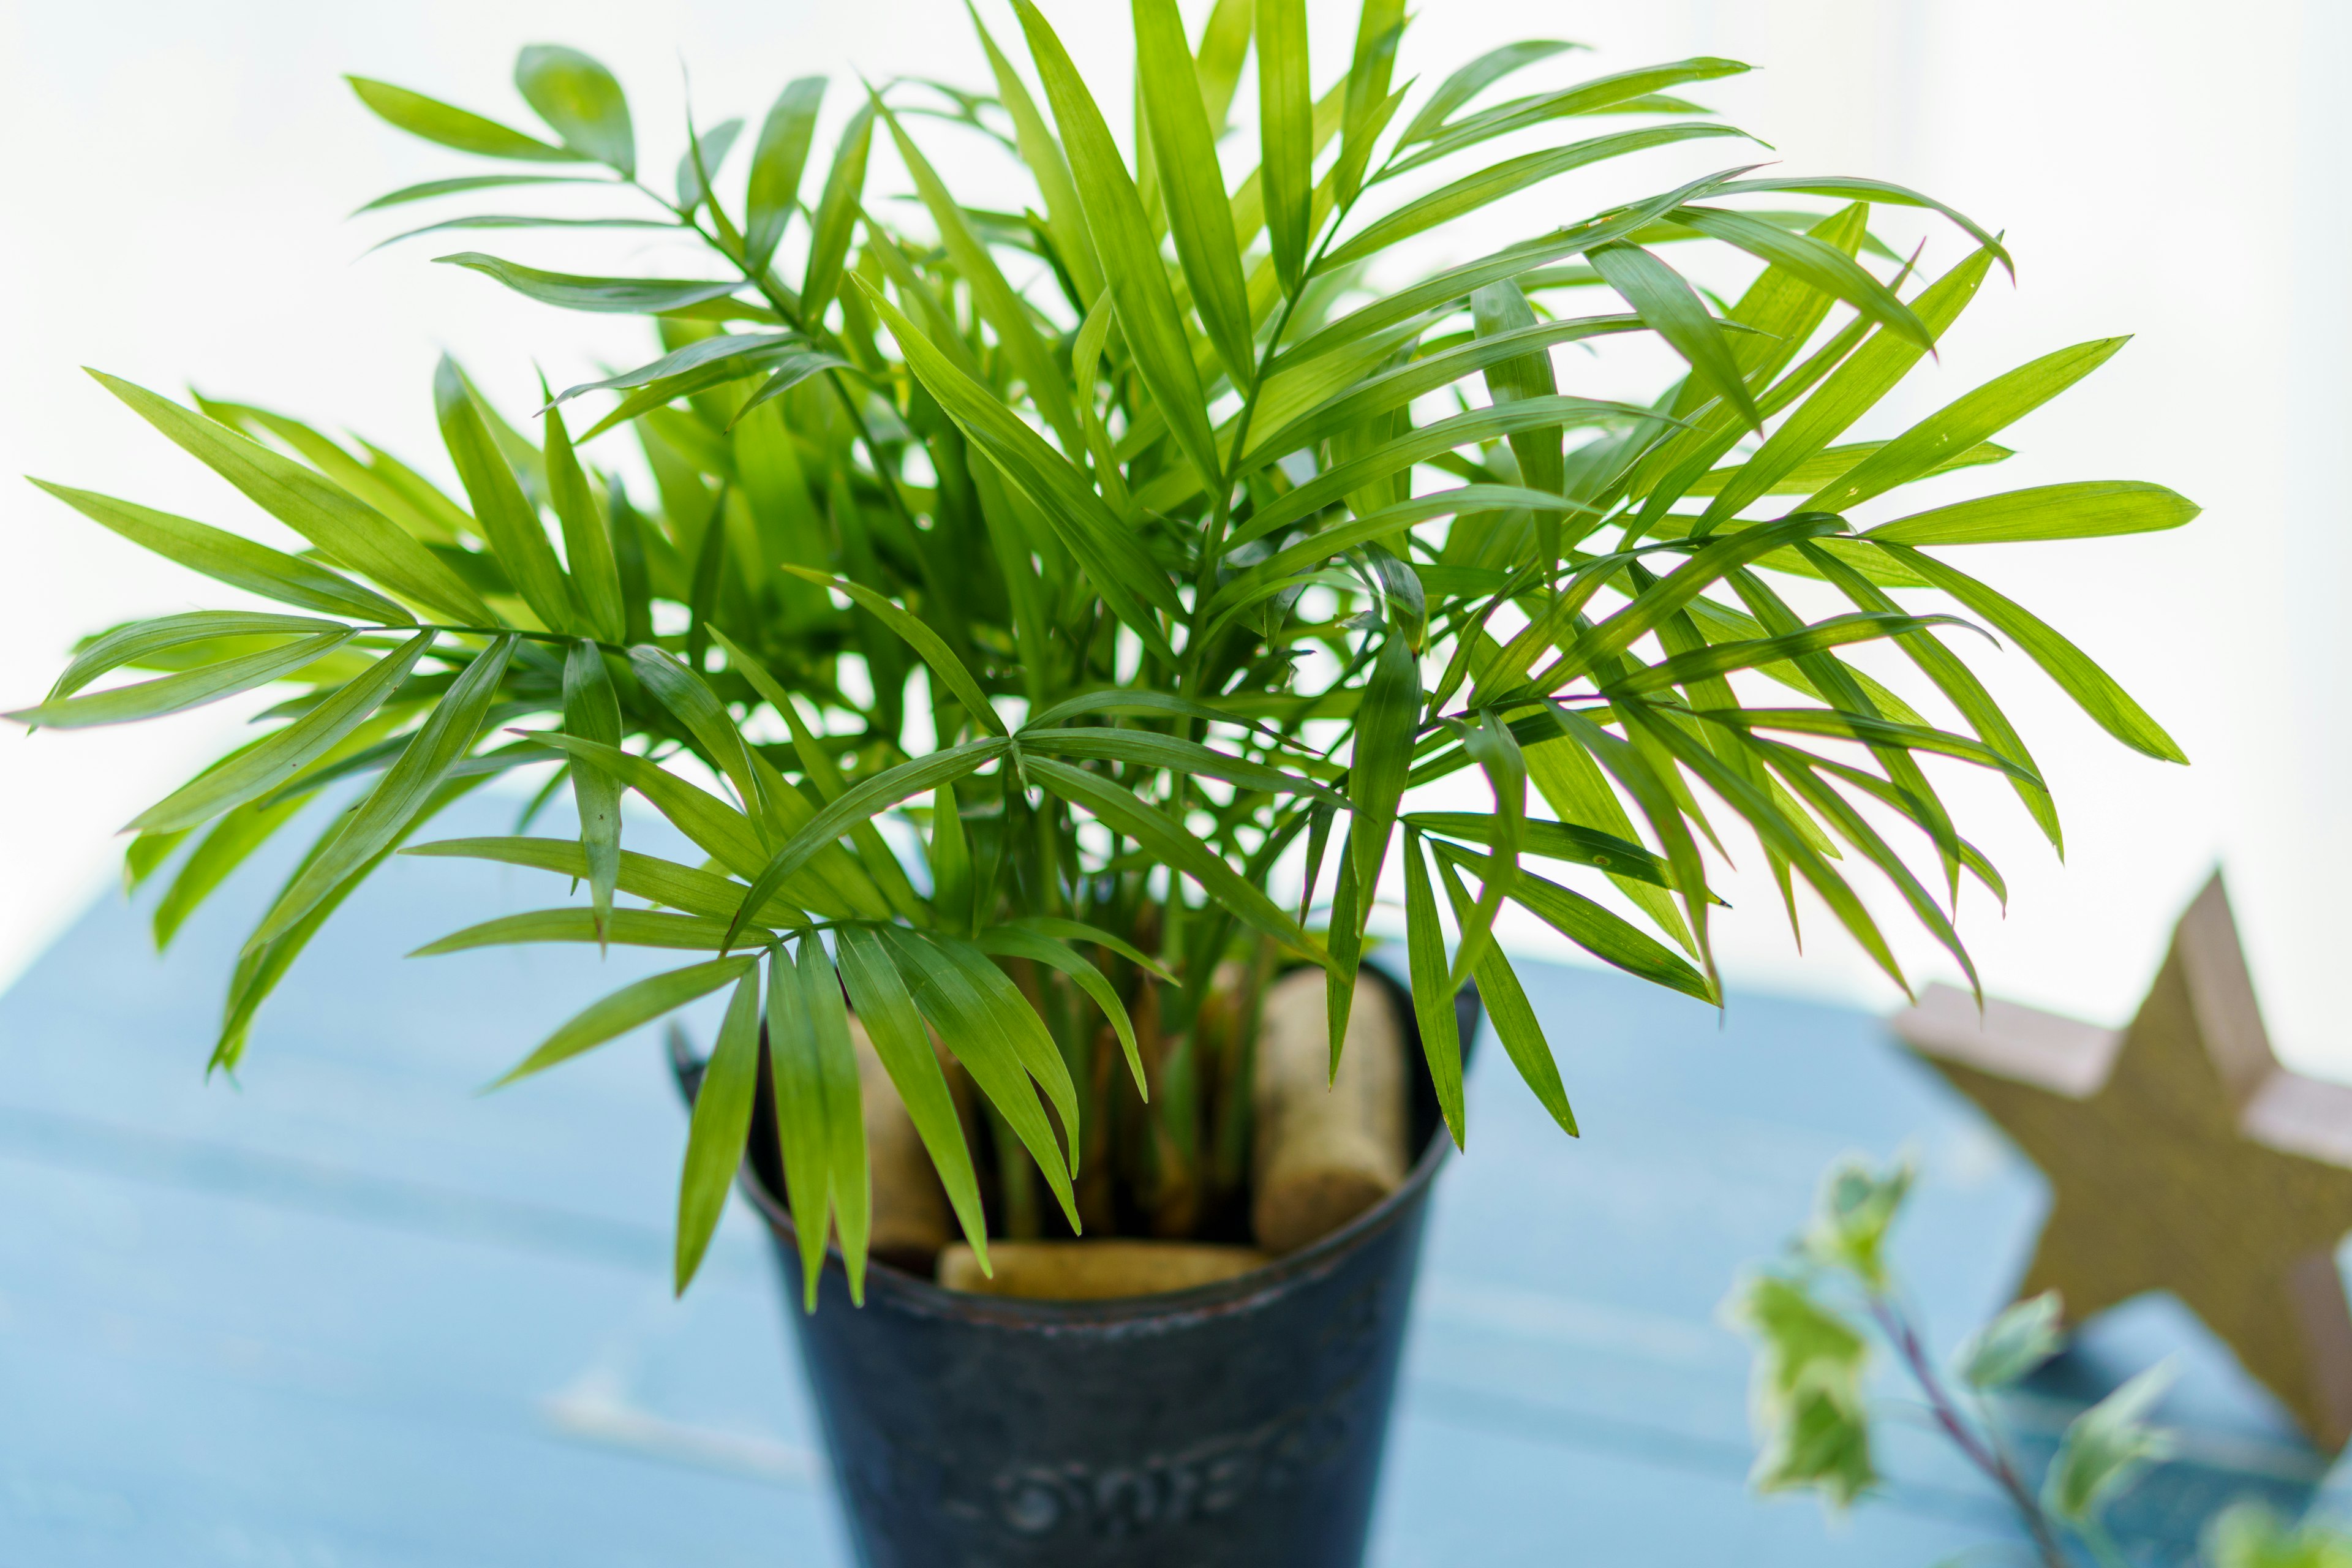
(1056, 633)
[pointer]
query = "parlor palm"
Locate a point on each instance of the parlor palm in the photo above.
(1208, 555)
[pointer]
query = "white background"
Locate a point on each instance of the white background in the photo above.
(179, 175)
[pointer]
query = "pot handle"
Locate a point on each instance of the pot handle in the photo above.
(685, 1065)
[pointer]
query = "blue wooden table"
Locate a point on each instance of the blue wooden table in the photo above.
(348, 1314)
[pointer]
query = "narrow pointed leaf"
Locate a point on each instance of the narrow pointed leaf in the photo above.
(580, 101)
(449, 126)
(1505, 1005)
(1125, 245)
(626, 1009)
(888, 1011)
(1432, 992)
(227, 558)
(720, 1128)
(173, 693)
(380, 820)
(278, 759)
(517, 537)
(1199, 217)
(351, 532)
(1286, 135)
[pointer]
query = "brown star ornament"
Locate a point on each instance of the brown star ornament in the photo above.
(2180, 1157)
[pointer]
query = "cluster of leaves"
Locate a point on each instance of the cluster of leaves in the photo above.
(1110, 592)
(1816, 1320)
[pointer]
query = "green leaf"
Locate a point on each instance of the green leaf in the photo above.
(581, 102)
(1121, 812)
(351, 532)
(451, 127)
(1846, 188)
(1491, 745)
(2104, 1449)
(899, 1038)
(1199, 215)
(720, 1128)
(706, 151)
(1593, 96)
(1963, 422)
(837, 212)
(226, 558)
(997, 1039)
(803, 1131)
(1432, 992)
(376, 825)
(1473, 193)
(2026, 1334)
(1153, 749)
(1418, 446)
(1866, 728)
(1396, 387)
(691, 700)
(1286, 136)
(1828, 464)
(1808, 260)
(274, 762)
(626, 1009)
(1072, 931)
(1809, 1408)
(518, 539)
(777, 165)
(624, 296)
(1474, 78)
(1773, 827)
(1042, 154)
(628, 928)
(587, 544)
(948, 851)
(1506, 1008)
(1126, 246)
(864, 800)
(1107, 549)
(719, 830)
(430, 188)
(591, 711)
(1722, 659)
(140, 642)
(685, 888)
(1676, 310)
(2086, 510)
(2093, 691)
(1606, 936)
(172, 693)
(1140, 699)
(1854, 388)
(1004, 311)
(847, 1180)
(1440, 289)
(953, 673)
(264, 964)
(1014, 942)
(1550, 841)
(1382, 756)
(695, 355)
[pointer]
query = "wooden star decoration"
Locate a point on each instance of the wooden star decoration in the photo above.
(2180, 1157)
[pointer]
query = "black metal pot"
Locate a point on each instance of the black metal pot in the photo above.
(1236, 1425)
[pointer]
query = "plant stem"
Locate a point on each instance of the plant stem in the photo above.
(1995, 1464)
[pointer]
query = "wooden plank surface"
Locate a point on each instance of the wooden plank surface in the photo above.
(348, 1312)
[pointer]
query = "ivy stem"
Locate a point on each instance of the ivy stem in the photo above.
(1900, 1332)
